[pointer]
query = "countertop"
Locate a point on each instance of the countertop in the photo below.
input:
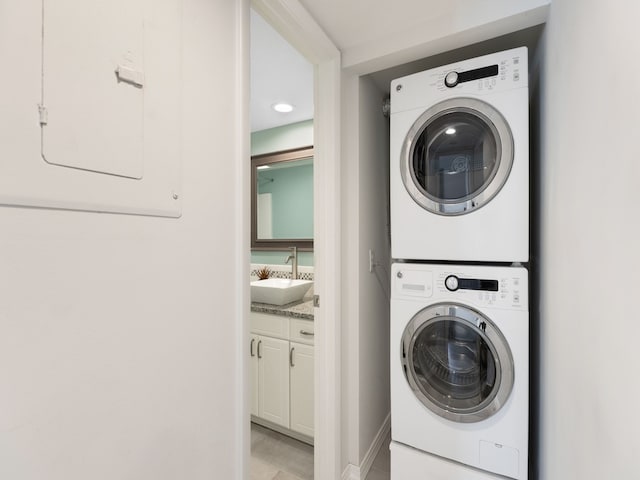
(300, 309)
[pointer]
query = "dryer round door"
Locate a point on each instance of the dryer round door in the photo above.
(457, 156)
(457, 362)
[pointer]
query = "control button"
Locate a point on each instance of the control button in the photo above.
(516, 298)
(451, 282)
(451, 80)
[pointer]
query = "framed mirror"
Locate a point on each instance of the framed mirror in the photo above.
(282, 200)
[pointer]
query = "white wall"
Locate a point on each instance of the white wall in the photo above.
(350, 308)
(374, 286)
(589, 242)
(117, 332)
(366, 301)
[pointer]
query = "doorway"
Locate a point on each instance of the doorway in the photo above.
(294, 23)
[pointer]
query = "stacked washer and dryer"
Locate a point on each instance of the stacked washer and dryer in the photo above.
(459, 300)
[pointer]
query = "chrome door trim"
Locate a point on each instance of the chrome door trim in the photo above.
(504, 150)
(494, 339)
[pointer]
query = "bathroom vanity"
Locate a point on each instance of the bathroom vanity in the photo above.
(282, 360)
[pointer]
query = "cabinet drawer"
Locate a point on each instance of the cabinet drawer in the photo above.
(271, 325)
(301, 331)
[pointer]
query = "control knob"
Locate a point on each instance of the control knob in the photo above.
(451, 80)
(451, 282)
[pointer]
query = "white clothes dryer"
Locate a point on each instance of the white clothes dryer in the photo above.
(459, 157)
(460, 364)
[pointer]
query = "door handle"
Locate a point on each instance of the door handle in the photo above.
(253, 340)
(305, 332)
(291, 356)
(259, 343)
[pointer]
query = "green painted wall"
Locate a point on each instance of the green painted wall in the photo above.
(287, 137)
(295, 135)
(291, 192)
(305, 259)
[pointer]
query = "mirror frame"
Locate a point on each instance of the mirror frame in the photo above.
(267, 159)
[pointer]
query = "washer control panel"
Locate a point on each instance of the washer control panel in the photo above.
(500, 287)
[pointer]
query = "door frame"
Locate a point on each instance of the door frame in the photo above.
(299, 28)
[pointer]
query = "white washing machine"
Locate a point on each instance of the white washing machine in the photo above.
(460, 368)
(460, 161)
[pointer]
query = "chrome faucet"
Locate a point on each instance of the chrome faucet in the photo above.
(294, 262)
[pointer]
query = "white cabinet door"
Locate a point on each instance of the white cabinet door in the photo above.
(254, 373)
(273, 379)
(301, 373)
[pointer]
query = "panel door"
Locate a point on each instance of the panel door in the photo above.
(302, 388)
(273, 379)
(93, 85)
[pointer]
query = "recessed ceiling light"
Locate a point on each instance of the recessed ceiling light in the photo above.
(262, 167)
(450, 131)
(282, 107)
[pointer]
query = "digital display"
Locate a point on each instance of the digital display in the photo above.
(478, 73)
(478, 284)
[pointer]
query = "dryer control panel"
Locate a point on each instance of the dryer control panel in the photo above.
(497, 287)
(475, 77)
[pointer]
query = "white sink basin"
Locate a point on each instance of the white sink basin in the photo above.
(279, 291)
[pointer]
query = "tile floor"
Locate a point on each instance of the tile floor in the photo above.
(278, 457)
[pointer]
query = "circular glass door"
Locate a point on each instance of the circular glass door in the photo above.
(457, 156)
(457, 362)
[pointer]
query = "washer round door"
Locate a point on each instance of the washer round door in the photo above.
(457, 156)
(457, 362)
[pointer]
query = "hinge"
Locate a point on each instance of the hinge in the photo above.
(44, 114)
(316, 300)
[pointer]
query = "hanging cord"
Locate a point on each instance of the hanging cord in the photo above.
(385, 286)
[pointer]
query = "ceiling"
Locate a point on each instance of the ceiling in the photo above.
(279, 73)
(381, 38)
(351, 23)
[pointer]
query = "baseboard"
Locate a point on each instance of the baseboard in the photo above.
(377, 443)
(285, 431)
(351, 473)
(360, 473)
